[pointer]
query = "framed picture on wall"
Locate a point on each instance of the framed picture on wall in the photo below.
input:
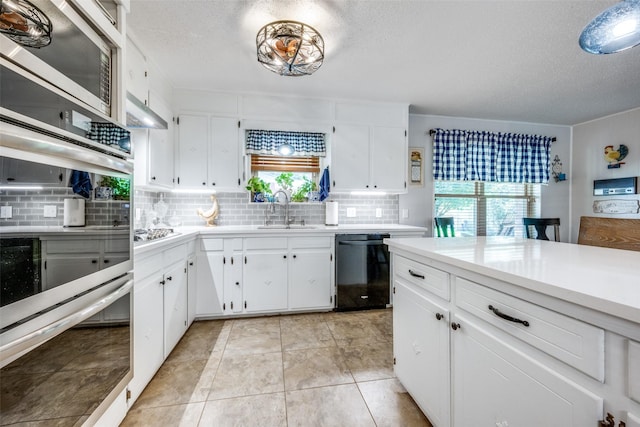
(416, 166)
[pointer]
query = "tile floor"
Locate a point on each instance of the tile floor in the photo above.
(329, 369)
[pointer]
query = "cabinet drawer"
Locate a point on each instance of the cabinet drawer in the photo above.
(429, 278)
(309, 242)
(212, 244)
(116, 245)
(266, 243)
(576, 343)
(147, 266)
(72, 246)
(633, 357)
(175, 254)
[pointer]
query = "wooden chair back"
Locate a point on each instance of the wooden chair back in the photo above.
(617, 233)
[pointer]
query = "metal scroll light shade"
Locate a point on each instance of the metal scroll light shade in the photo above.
(614, 30)
(24, 23)
(290, 48)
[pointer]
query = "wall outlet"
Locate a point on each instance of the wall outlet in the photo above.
(50, 211)
(138, 214)
(351, 212)
(6, 212)
(378, 213)
(405, 213)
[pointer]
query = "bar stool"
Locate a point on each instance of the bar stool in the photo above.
(540, 224)
(443, 226)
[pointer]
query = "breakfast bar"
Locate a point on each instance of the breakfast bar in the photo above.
(508, 331)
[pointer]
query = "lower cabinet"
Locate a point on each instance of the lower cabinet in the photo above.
(265, 280)
(421, 350)
(310, 273)
(496, 384)
(175, 305)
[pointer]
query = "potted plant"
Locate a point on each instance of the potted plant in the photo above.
(258, 188)
(113, 187)
(304, 192)
(285, 181)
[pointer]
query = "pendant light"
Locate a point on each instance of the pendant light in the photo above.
(614, 30)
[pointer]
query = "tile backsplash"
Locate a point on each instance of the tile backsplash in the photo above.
(236, 209)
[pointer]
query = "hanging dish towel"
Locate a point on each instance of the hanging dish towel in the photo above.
(81, 183)
(325, 184)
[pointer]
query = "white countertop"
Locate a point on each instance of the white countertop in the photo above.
(603, 279)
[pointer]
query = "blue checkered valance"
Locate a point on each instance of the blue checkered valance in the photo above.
(460, 155)
(304, 143)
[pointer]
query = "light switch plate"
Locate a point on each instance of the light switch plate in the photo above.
(50, 211)
(351, 212)
(378, 213)
(405, 213)
(6, 212)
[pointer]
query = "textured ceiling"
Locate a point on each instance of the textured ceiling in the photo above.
(503, 60)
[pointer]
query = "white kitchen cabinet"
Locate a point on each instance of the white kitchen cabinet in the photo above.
(175, 305)
(421, 349)
(265, 280)
(136, 74)
(208, 153)
(369, 158)
(495, 384)
(233, 278)
(192, 277)
(219, 273)
(160, 162)
(310, 273)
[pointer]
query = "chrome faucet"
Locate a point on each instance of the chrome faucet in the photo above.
(286, 206)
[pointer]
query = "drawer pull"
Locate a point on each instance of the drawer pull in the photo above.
(455, 326)
(507, 317)
(439, 316)
(414, 274)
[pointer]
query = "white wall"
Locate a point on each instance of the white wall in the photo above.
(419, 200)
(589, 140)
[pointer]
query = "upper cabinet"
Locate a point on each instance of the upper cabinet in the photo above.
(136, 75)
(208, 153)
(369, 148)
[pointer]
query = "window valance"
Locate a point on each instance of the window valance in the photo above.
(304, 143)
(460, 155)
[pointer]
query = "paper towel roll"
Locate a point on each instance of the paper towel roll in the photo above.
(331, 213)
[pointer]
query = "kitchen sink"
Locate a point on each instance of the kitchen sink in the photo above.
(285, 227)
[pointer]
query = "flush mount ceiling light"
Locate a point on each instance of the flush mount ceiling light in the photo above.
(290, 48)
(24, 23)
(614, 30)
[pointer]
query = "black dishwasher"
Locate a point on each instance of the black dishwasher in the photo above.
(362, 271)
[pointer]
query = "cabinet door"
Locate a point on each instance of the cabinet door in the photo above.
(310, 279)
(61, 269)
(265, 281)
(209, 285)
(496, 384)
(148, 336)
(350, 157)
(193, 137)
(136, 75)
(421, 351)
(175, 306)
(161, 149)
(224, 166)
(191, 288)
(233, 283)
(389, 159)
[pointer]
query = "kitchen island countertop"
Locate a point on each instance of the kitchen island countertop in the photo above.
(603, 279)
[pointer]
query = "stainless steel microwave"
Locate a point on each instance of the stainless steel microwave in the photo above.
(76, 59)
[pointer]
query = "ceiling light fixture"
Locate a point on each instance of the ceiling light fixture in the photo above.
(24, 23)
(290, 48)
(614, 30)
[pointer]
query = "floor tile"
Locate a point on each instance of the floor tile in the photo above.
(391, 405)
(174, 383)
(254, 336)
(334, 406)
(244, 375)
(264, 410)
(369, 362)
(304, 334)
(198, 342)
(175, 415)
(314, 367)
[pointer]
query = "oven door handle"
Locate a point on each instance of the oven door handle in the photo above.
(361, 242)
(38, 337)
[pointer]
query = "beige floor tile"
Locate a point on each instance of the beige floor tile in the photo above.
(198, 342)
(304, 334)
(369, 362)
(244, 375)
(314, 368)
(391, 405)
(334, 406)
(173, 384)
(203, 387)
(297, 319)
(268, 342)
(255, 326)
(263, 410)
(175, 415)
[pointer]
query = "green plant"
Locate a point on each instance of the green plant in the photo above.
(257, 185)
(301, 194)
(121, 187)
(285, 180)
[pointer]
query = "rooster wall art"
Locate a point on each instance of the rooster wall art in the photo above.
(614, 157)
